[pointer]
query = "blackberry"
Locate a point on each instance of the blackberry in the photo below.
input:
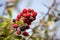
(14, 20)
(23, 28)
(30, 20)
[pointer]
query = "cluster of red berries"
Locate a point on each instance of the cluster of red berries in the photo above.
(27, 17)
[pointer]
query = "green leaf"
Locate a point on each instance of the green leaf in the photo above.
(55, 20)
(7, 38)
(46, 31)
(8, 19)
(23, 38)
(1, 17)
(50, 18)
(18, 37)
(1, 38)
(40, 30)
(3, 24)
(16, 1)
(37, 38)
(19, 22)
(9, 12)
(59, 14)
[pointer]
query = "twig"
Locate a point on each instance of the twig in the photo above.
(49, 8)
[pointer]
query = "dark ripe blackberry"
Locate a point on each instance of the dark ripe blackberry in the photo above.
(27, 27)
(29, 23)
(22, 28)
(14, 20)
(30, 20)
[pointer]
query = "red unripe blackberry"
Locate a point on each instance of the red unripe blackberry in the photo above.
(27, 21)
(19, 32)
(21, 13)
(24, 15)
(29, 10)
(25, 34)
(17, 19)
(24, 10)
(15, 25)
(28, 15)
(19, 16)
(32, 10)
(34, 14)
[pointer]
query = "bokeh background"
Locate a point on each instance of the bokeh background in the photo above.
(40, 6)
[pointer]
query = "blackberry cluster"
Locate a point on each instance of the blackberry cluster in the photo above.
(28, 17)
